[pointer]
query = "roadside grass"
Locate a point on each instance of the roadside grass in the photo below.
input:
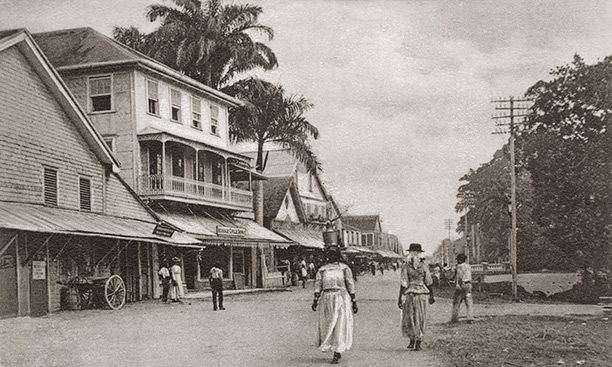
(525, 341)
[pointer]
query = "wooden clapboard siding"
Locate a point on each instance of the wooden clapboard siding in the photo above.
(35, 131)
(120, 201)
(118, 123)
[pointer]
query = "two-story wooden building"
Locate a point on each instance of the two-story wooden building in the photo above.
(64, 210)
(171, 135)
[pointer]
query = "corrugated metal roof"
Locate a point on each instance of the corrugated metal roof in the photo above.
(39, 218)
(206, 227)
(304, 237)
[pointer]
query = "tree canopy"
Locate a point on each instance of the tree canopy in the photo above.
(208, 41)
(271, 116)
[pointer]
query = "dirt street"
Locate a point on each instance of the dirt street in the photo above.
(265, 329)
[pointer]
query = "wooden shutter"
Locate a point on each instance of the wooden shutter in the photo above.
(85, 193)
(50, 186)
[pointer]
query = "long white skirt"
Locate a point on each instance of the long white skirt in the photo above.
(335, 322)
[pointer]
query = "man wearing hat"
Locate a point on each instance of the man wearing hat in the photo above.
(463, 289)
(414, 280)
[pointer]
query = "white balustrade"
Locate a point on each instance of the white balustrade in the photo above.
(178, 186)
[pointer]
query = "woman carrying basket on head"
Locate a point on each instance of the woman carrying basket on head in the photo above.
(335, 299)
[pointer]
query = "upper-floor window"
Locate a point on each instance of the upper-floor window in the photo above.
(214, 119)
(100, 93)
(175, 109)
(84, 193)
(153, 97)
(50, 186)
(196, 112)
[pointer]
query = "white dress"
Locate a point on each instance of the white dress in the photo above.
(176, 292)
(335, 283)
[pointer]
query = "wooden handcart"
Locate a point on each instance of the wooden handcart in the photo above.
(100, 292)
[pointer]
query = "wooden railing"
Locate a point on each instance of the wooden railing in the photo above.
(150, 185)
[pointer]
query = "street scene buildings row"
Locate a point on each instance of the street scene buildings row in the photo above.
(113, 163)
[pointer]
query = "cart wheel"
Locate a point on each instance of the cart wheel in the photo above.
(114, 292)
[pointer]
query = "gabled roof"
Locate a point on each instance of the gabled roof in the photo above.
(26, 45)
(275, 190)
(365, 223)
(78, 48)
(278, 162)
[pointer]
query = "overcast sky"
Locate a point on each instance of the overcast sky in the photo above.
(401, 88)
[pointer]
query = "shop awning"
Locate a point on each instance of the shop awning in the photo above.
(388, 254)
(303, 237)
(39, 218)
(212, 230)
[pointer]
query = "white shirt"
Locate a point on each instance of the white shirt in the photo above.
(164, 272)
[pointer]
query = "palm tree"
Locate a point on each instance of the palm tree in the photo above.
(210, 42)
(270, 116)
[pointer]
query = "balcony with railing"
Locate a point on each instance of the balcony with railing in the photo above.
(169, 187)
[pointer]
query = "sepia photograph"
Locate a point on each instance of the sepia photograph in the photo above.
(421, 183)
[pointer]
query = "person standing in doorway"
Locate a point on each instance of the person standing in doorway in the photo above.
(216, 285)
(414, 279)
(164, 275)
(335, 291)
(176, 290)
(463, 289)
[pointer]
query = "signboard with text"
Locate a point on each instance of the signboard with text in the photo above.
(231, 231)
(39, 270)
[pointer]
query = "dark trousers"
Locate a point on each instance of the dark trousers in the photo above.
(165, 289)
(217, 292)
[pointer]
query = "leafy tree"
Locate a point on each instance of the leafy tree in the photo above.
(270, 116)
(567, 150)
(210, 42)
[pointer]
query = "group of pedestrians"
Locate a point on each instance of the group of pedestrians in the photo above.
(335, 299)
(172, 281)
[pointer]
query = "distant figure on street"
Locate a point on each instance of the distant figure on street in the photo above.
(381, 267)
(373, 268)
(394, 265)
(463, 289)
(176, 290)
(303, 273)
(335, 292)
(312, 272)
(436, 275)
(164, 275)
(414, 279)
(216, 285)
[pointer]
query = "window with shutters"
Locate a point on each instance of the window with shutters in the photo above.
(84, 193)
(50, 186)
(153, 97)
(175, 100)
(214, 120)
(196, 113)
(100, 93)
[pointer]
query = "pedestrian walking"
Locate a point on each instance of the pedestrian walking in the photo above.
(303, 273)
(414, 279)
(381, 267)
(216, 285)
(312, 272)
(335, 299)
(436, 275)
(164, 274)
(463, 289)
(176, 289)
(373, 268)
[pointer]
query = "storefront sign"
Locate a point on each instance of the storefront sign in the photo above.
(231, 231)
(39, 270)
(163, 230)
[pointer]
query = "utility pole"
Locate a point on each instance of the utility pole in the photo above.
(511, 110)
(449, 224)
